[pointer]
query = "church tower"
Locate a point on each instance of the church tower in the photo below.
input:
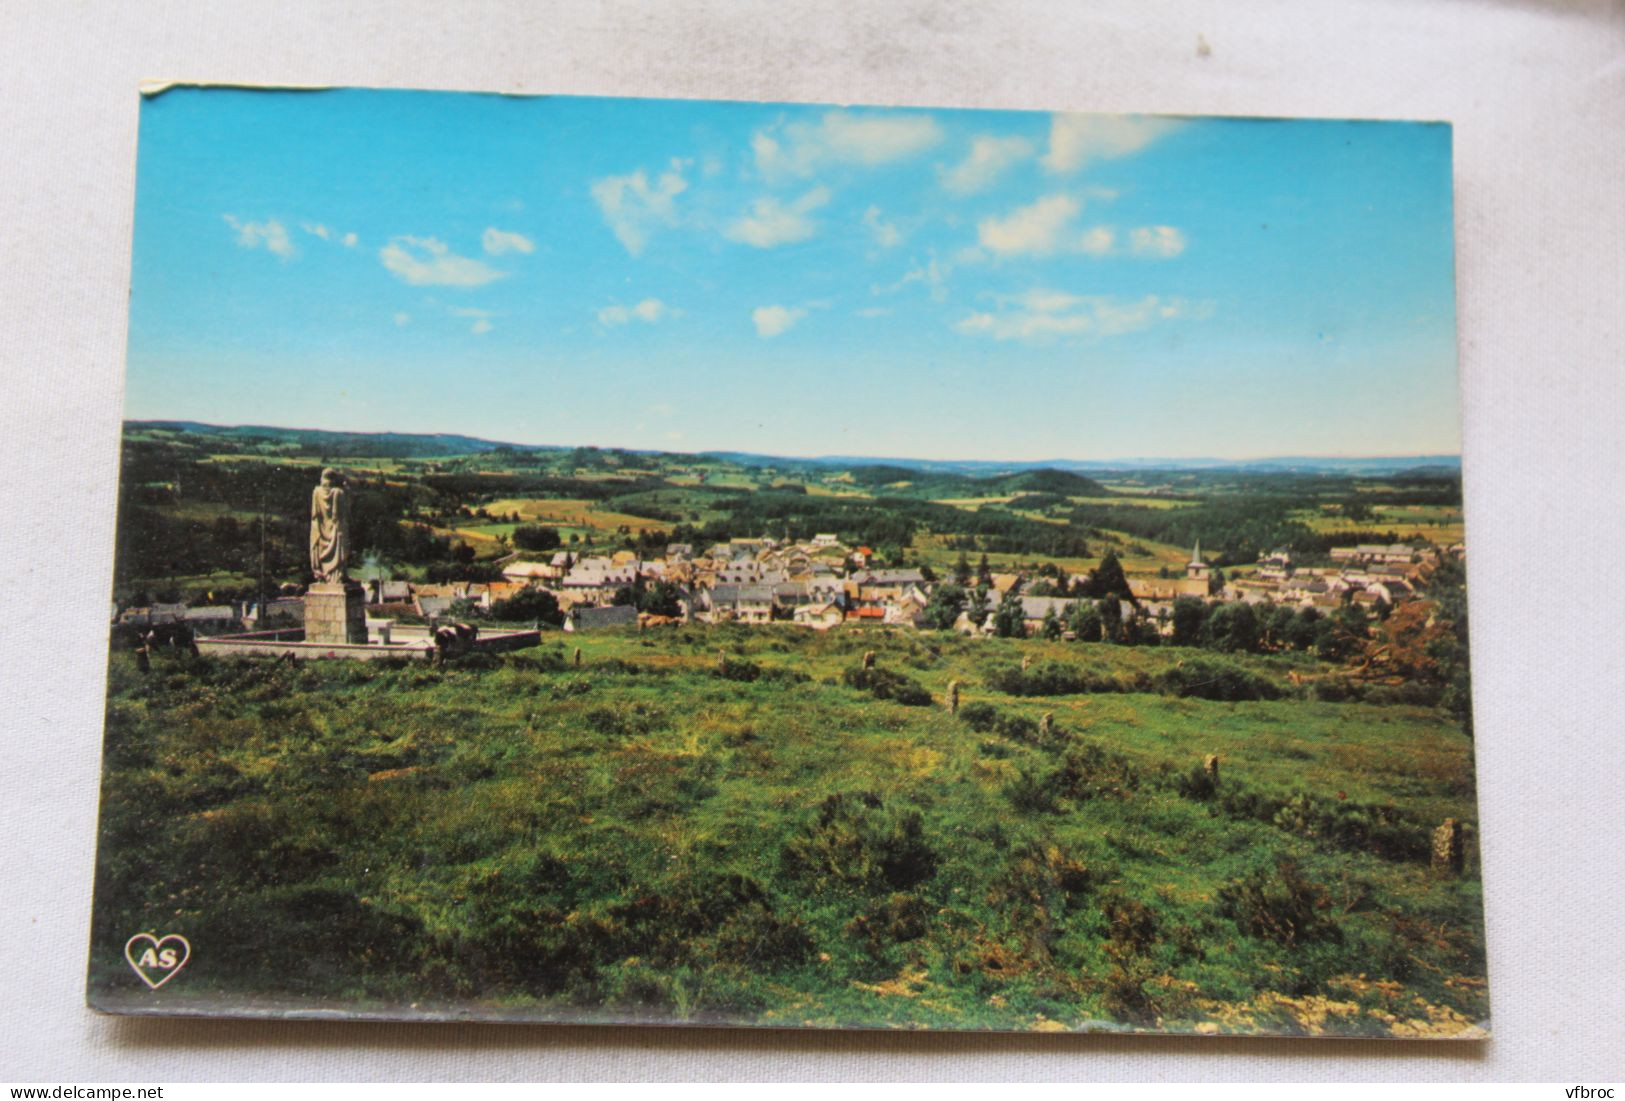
(1196, 569)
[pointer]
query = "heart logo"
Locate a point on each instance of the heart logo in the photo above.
(157, 959)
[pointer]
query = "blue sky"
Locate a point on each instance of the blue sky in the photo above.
(797, 280)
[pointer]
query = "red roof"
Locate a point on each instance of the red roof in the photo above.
(870, 613)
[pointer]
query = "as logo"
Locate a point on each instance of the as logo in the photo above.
(157, 959)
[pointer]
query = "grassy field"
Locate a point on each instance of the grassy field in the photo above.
(710, 824)
(1440, 524)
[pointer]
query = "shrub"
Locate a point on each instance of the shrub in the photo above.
(1215, 680)
(736, 669)
(637, 719)
(980, 717)
(1197, 784)
(1049, 678)
(1086, 772)
(884, 684)
(1280, 905)
(529, 604)
(1018, 728)
(1132, 933)
(895, 919)
(857, 840)
(1034, 789)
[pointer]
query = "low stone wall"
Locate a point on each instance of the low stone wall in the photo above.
(404, 643)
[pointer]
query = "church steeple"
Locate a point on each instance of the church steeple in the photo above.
(1196, 569)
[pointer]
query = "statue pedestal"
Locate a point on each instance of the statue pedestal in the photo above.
(336, 613)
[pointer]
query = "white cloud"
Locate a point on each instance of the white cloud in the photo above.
(1162, 242)
(634, 208)
(402, 318)
(1074, 140)
(933, 275)
(1036, 229)
(773, 320)
(842, 137)
(771, 223)
(481, 318)
(1048, 226)
(1039, 316)
(886, 233)
(1097, 241)
(648, 311)
(272, 234)
(874, 311)
(327, 233)
(497, 242)
(988, 159)
(426, 261)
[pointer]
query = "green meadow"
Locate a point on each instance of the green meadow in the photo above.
(746, 825)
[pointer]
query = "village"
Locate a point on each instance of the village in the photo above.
(822, 583)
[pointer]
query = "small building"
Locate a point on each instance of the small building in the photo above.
(1035, 608)
(601, 617)
(820, 617)
(525, 573)
(432, 607)
(213, 619)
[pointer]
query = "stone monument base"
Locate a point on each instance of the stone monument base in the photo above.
(335, 613)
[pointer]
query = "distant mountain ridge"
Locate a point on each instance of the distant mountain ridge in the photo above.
(431, 445)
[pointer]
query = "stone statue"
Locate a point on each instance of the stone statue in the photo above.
(329, 528)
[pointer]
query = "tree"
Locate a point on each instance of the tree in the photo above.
(947, 601)
(1342, 634)
(961, 570)
(537, 605)
(1447, 589)
(534, 537)
(976, 605)
(1233, 627)
(1109, 580)
(1051, 626)
(1111, 617)
(1190, 621)
(1301, 630)
(1010, 621)
(661, 598)
(984, 573)
(1274, 624)
(1084, 621)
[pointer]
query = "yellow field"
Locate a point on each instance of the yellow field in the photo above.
(568, 512)
(369, 466)
(1138, 502)
(935, 551)
(1436, 523)
(971, 504)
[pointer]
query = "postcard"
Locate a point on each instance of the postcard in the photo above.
(633, 561)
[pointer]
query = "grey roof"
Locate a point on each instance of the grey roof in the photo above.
(615, 615)
(891, 577)
(1035, 607)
